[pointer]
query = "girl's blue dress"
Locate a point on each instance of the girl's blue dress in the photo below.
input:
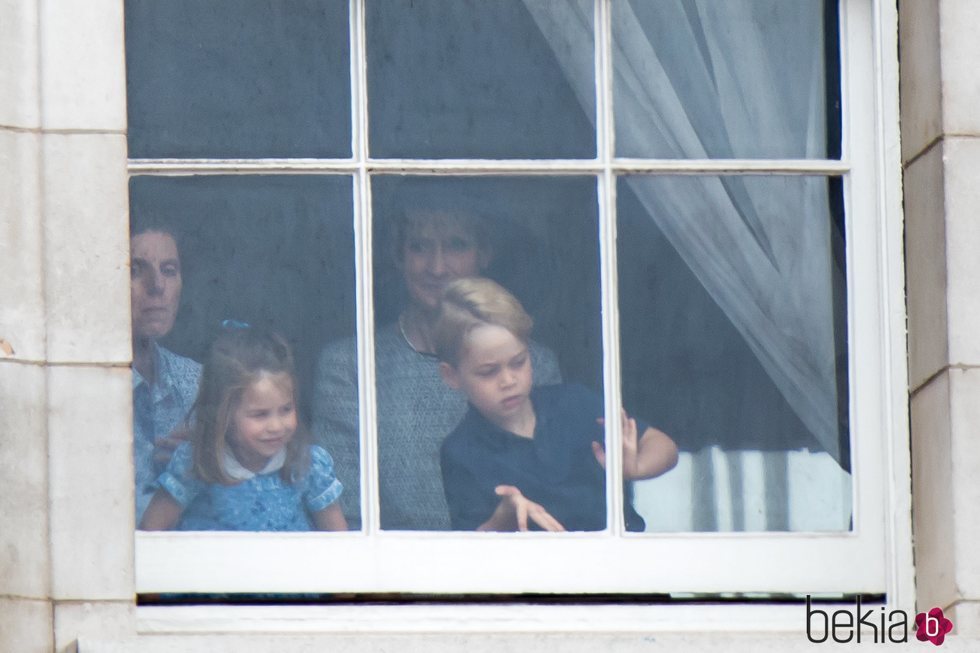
(264, 502)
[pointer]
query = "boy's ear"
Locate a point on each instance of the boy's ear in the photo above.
(449, 375)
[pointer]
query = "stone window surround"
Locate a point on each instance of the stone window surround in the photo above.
(63, 136)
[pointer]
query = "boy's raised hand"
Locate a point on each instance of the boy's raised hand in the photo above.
(515, 509)
(631, 468)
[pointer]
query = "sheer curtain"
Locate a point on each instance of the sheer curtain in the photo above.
(700, 79)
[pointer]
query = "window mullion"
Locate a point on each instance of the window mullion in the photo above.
(605, 146)
(367, 398)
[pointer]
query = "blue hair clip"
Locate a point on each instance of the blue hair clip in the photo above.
(234, 325)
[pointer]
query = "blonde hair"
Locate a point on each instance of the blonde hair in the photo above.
(236, 359)
(472, 302)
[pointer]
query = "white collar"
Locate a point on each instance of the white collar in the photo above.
(235, 470)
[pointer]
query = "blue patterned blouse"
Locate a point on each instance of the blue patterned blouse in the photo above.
(158, 409)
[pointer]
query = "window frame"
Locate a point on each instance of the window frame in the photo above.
(398, 562)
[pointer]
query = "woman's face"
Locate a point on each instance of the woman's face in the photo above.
(437, 251)
(156, 283)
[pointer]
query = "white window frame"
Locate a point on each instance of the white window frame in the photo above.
(372, 561)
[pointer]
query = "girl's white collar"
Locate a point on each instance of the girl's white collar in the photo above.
(235, 470)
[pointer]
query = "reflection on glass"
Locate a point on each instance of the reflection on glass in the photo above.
(238, 79)
(262, 271)
(471, 78)
(732, 303)
(733, 79)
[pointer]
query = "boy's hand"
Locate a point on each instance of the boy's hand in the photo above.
(631, 468)
(514, 511)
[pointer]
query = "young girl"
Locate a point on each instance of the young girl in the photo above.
(249, 465)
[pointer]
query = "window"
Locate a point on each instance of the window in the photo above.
(684, 195)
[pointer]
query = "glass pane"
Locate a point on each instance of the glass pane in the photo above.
(238, 79)
(470, 78)
(273, 253)
(732, 79)
(537, 239)
(733, 340)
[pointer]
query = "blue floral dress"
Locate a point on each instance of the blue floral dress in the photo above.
(264, 502)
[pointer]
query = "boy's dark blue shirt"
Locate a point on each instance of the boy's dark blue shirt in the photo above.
(556, 468)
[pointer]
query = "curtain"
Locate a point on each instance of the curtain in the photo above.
(700, 79)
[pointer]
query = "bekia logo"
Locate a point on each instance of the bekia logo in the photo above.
(875, 626)
(932, 627)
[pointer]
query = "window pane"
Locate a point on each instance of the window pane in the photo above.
(271, 252)
(733, 79)
(470, 78)
(733, 340)
(238, 79)
(535, 237)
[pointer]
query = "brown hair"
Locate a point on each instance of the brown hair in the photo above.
(236, 359)
(405, 222)
(472, 302)
(149, 222)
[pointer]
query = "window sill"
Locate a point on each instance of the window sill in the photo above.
(469, 618)
(759, 628)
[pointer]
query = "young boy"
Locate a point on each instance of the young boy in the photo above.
(525, 455)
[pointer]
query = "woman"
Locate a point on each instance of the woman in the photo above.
(416, 410)
(164, 384)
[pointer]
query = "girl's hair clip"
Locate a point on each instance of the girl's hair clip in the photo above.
(234, 325)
